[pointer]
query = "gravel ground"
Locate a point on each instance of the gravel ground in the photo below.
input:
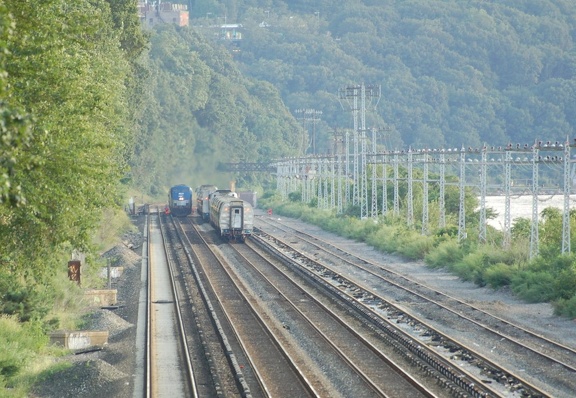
(539, 317)
(109, 372)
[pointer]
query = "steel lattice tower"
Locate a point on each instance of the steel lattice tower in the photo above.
(374, 201)
(356, 170)
(535, 190)
(507, 191)
(320, 178)
(364, 177)
(326, 182)
(360, 190)
(482, 233)
(396, 190)
(339, 193)
(384, 185)
(442, 193)
(425, 195)
(347, 176)
(462, 208)
(333, 182)
(410, 195)
(566, 215)
(294, 172)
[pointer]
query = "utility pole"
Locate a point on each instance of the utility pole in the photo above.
(306, 115)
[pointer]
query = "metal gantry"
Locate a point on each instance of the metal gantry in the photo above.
(353, 95)
(324, 178)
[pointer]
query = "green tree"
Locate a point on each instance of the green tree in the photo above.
(65, 66)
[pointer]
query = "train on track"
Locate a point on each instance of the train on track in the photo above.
(180, 200)
(203, 200)
(232, 217)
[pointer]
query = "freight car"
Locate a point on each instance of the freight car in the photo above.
(203, 201)
(232, 217)
(180, 200)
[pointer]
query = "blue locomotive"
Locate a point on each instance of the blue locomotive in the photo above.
(180, 200)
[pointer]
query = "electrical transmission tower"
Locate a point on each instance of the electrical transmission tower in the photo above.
(353, 95)
(309, 116)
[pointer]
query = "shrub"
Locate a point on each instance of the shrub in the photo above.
(566, 307)
(25, 301)
(445, 254)
(533, 287)
(565, 284)
(469, 269)
(381, 239)
(415, 246)
(498, 275)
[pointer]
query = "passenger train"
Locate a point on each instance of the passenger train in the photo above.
(232, 217)
(203, 200)
(180, 200)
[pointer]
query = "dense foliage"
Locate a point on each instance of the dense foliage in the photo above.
(68, 83)
(65, 66)
(200, 111)
(452, 73)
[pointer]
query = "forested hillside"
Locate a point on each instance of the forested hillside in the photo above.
(199, 110)
(452, 73)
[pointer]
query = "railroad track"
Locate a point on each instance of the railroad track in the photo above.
(257, 353)
(554, 362)
(331, 337)
(334, 359)
(167, 361)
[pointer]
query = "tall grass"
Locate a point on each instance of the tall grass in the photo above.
(24, 354)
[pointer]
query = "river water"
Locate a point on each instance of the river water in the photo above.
(521, 206)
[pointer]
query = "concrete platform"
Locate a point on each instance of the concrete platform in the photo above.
(78, 340)
(103, 297)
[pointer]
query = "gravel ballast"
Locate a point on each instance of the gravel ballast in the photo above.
(110, 371)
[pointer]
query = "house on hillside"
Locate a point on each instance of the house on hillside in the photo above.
(156, 12)
(231, 32)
